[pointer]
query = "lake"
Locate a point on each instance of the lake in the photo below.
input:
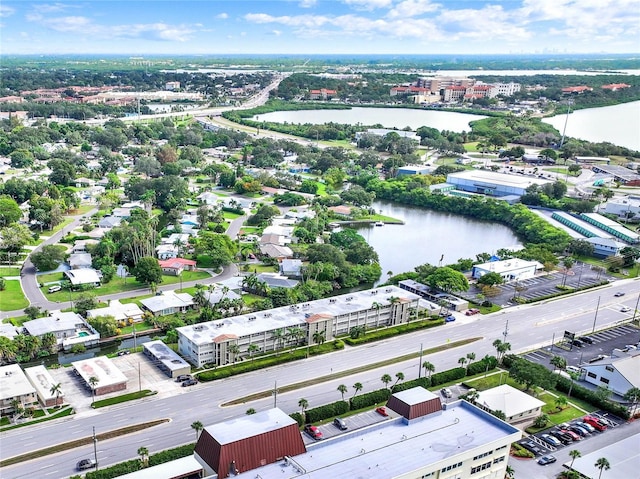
(388, 117)
(618, 124)
(429, 235)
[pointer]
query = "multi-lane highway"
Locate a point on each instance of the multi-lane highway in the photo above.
(528, 327)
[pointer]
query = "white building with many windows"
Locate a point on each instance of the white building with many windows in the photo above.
(307, 323)
(616, 374)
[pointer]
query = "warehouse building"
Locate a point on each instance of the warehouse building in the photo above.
(493, 184)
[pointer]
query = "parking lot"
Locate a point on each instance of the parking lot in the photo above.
(357, 421)
(602, 343)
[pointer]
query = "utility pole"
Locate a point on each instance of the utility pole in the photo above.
(596, 316)
(275, 393)
(95, 447)
(635, 311)
(420, 363)
(505, 332)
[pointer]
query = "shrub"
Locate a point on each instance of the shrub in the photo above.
(481, 366)
(297, 417)
(383, 333)
(447, 376)
(369, 399)
(520, 451)
(424, 382)
(564, 384)
(134, 465)
(327, 411)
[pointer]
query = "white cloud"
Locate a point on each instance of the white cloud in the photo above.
(52, 7)
(368, 4)
(412, 8)
(222, 16)
(277, 33)
(307, 3)
(6, 11)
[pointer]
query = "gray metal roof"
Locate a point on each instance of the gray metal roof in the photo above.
(249, 425)
(57, 322)
(623, 461)
(165, 355)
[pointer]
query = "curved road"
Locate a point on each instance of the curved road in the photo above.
(529, 327)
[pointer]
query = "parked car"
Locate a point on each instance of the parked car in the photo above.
(449, 319)
(596, 423)
(446, 392)
(533, 447)
(582, 432)
(313, 431)
(586, 426)
(586, 339)
(189, 382)
(597, 358)
(382, 411)
(577, 342)
(552, 441)
(183, 377)
(544, 460)
(618, 294)
(340, 424)
(563, 438)
(574, 436)
(573, 369)
(86, 464)
(55, 289)
(124, 353)
(471, 312)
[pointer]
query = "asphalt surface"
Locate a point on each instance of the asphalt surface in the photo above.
(529, 327)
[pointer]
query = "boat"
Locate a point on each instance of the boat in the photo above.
(379, 223)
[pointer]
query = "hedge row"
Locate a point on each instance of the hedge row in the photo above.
(369, 399)
(133, 465)
(447, 376)
(384, 333)
(591, 397)
(268, 361)
(328, 410)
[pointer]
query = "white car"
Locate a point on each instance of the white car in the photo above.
(625, 309)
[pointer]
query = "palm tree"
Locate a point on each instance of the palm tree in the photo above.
(233, 349)
(342, 389)
(319, 337)
(399, 377)
(462, 362)
(358, 388)
(303, 404)
(633, 395)
(56, 390)
(603, 465)
(143, 452)
(251, 349)
(93, 382)
(199, 297)
(197, 427)
(559, 362)
(429, 368)
(470, 357)
(501, 349)
(509, 472)
(561, 402)
(7, 349)
(574, 454)
(386, 379)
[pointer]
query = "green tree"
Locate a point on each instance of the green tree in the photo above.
(197, 427)
(105, 325)
(143, 452)
(10, 211)
(342, 389)
(148, 271)
(48, 258)
(531, 374)
(559, 362)
(448, 280)
(34, 312)
(252, 349)
(399, 378)
(386, 380)
(490, 279)
(603, 465)
(574, 454)
(428, 367)
(561, 402)
(501, 349)
(93, 382)
(357, 388)
(84, 303)
(633, 396)
(334, 177)
(303, 404)
(56, 390)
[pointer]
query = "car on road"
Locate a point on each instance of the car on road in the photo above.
(183, 377)
(313, 431)
(544, 460)
(189, 382)
(472, 311)
(552, 441)
(597, 358)
(86, 464)
(382, 411)
(446, 392)
(618, 294)
(449, 319)
(586, 339)
(340, 424)
(124, 352)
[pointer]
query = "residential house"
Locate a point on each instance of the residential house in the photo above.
(175, 266)
(214, 296)
(178, 239)
(275, 280)
(80, 260)
(276, 251)
(341, 210)
(69, 329)
(516, 405)
(168, 302)
(79, 277)
(80, 246)
(167, 251)
(291, 268)
(120, 312)
(109, 222)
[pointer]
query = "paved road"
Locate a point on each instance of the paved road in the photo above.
(528, 327)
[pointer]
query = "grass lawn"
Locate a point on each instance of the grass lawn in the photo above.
(140, 327)
(250, 230)
(8, 271)
(116, 285)
(230, 216)
(386, 219)
(12, 297)
(83, 210)
(262, 268)
(482, 383)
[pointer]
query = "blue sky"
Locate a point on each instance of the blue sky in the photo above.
(318, 26)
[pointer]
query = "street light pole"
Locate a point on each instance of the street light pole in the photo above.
(596, 316)
(95, 447)
(635, 311)
(420, 363)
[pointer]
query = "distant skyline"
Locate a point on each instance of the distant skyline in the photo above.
(177, 27)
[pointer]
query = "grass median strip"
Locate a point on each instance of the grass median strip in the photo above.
(349, 372)
(65, 446)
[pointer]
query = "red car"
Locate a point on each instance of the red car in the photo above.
(313, 431)
(471, 312)
(573, 435)
(595, 422)
(382, 411)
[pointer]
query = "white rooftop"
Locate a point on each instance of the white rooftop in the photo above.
(13, 382)
(42, 380)
(484, 176)
(166, 300)
(415, 396)
(175, 468)
(507, 265)
(57, 321)
(623, 461)
(118, 310)
(102, 368)
(394, 448)
(611, 224)
(507, 399)
(290, 316)
(83, 276)
(242, 427)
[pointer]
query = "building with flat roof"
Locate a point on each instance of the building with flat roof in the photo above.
(208, 343)
(516, 405)
(493, 184)
(424, 291)
(617, 374)
(623, 207)
(623, 462)
(69, 329)
(14, 386)
(612, 227)
(618, 173)
(120, 312)
(183, 468)
(513, 269)
(109, 377)
(576, 224)
(415, 170)
(44, 384)
(457, 441)
(168, 302)
(166, 359)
